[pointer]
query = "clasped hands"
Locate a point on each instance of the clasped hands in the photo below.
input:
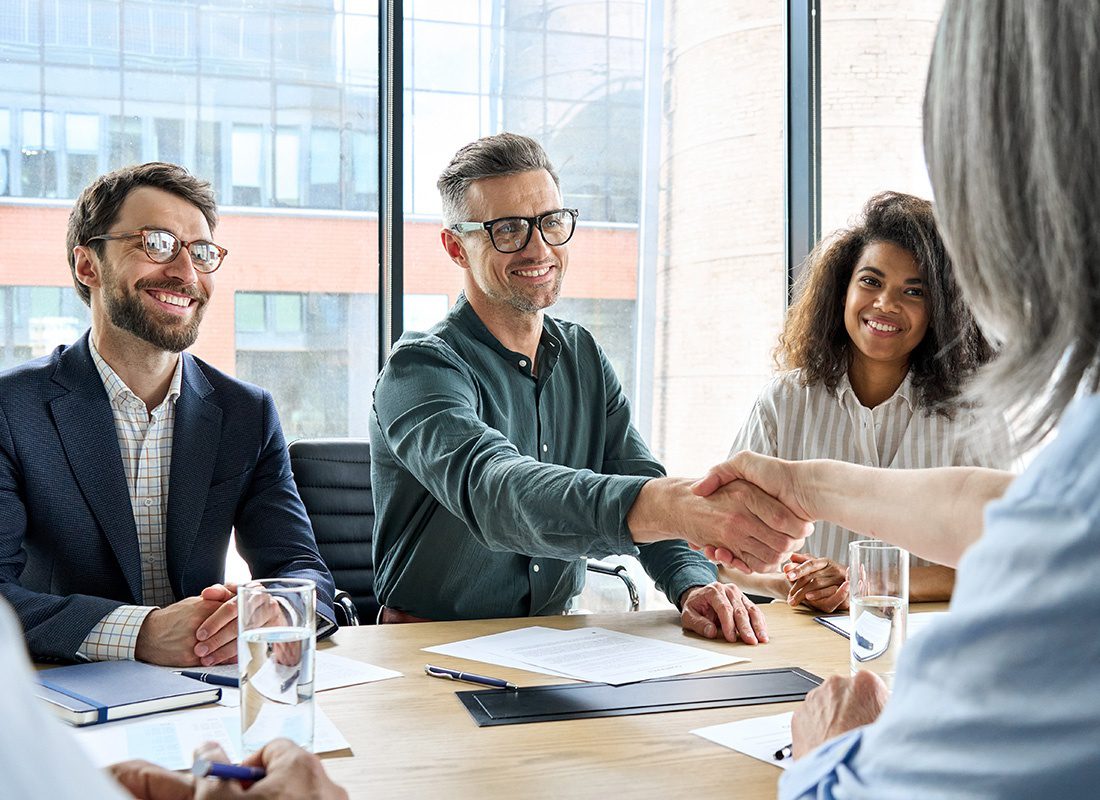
(195, 631)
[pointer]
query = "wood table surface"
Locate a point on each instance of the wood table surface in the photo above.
(411, 737)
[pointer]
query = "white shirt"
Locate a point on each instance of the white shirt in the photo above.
(38, 757)
(798, 422)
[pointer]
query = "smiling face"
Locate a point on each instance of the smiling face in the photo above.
(160, 304)
(885, 311)
(509, 283)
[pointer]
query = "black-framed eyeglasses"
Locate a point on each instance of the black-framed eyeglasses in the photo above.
(162, 247)
(511, 234)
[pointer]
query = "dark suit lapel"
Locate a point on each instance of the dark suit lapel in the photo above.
(195, 441)
(86, 426)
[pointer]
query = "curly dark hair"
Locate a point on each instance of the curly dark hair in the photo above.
(815, 340)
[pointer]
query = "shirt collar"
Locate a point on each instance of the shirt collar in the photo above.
(550, 343)
(904, 392)
(119, 393)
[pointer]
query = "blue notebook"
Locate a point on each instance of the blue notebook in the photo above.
(87, 694)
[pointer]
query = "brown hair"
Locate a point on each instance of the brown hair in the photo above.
(814, 339)
(97, 207)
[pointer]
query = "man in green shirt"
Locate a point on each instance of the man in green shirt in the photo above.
(502, 450)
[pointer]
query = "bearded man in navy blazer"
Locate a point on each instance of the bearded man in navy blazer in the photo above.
(126, 462)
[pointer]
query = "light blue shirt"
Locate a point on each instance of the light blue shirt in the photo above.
(1002, 698)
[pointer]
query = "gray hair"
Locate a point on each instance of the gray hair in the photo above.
(488, 157)
(1010, 119)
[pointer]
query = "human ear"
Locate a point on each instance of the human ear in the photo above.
(86, 266)
(454, 247)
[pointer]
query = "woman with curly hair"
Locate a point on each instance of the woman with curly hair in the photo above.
(876, 349)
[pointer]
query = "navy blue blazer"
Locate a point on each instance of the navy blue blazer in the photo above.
(68, 543)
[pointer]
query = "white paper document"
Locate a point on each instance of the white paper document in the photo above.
(915, 623)
(597, 655)
(169, 740)
(333, 672)
(759, 737)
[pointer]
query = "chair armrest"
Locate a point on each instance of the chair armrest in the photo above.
(619, 571)
(346, 612)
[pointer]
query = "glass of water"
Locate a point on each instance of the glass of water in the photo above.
(276, 642)
(878, 575)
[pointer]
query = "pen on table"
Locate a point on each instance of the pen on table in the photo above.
(204, 768)
(211, 677)
(783, 752)
(469, 677)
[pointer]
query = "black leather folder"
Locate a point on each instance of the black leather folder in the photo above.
(682, 693)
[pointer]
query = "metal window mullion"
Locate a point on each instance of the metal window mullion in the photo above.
(390, 175)
(803, 134)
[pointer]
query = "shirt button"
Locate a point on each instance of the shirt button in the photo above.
(523, 362)
(148, 501)
(535, 567)
(545, 447)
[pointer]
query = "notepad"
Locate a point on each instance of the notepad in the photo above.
(88, 694)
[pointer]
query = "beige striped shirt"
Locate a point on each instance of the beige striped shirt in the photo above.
(802, 422)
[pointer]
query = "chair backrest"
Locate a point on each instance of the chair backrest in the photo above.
(333, 477)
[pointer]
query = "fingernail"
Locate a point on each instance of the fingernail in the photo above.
(206, 662)
(709, 631)
(201, 635)
(202, 650)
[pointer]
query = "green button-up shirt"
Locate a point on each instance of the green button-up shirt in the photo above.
(492, 485)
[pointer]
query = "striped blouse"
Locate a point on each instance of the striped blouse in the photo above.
(802, 422)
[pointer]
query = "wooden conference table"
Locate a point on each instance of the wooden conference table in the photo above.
(411, 737)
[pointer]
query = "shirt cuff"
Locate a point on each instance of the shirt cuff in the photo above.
(114, 638)
(815, 775)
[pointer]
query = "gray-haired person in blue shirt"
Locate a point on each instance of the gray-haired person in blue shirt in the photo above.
(1000, 699)
(502, 448)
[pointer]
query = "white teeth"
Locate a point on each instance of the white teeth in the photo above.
(881, 326)
(533, 273)
(173, 300)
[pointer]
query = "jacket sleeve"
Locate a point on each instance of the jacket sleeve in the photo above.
(54, 626)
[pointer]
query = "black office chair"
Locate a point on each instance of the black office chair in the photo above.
(333, 477)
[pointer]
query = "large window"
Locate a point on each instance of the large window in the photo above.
(665, 118)
(275, 104)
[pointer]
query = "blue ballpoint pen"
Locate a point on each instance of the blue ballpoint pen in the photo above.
(203, 768)
(469, 677)
(211, 677)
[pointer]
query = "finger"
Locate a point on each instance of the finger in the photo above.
(216, 628)
(759, 624)
(799, 558)
(715, 478)
(830, 587)
(809, 567)
(218, 592)
(724, 606)
(211, 751)
(692, 620)
(776, 516)
(226, 654)
(743, 628)
(147, 781)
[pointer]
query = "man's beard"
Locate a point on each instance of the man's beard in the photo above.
(528, 304)
(126, 311)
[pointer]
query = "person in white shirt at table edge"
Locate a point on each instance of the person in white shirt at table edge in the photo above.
(878, 344)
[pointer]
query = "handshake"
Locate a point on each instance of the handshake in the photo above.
(749, 513)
